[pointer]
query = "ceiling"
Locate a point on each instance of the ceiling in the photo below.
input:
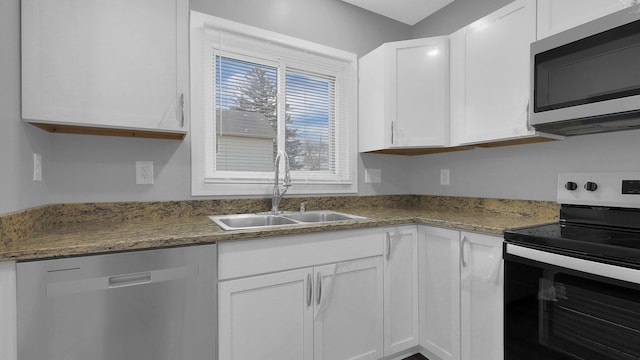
(407, 11)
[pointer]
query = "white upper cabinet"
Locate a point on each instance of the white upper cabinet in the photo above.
(118, 64)
(490, 75)
(403, 95)
(555, 16)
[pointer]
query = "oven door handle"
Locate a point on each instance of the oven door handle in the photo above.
(572, 263)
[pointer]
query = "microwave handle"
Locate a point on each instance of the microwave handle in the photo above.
(585, 266)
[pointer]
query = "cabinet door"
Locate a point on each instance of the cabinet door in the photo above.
(118, 63)
(268, 317)
(348, 323)
(482, 297)
(418, 97)
(404, 95)
(8, 327)
(374, 130)
(401, 317)
(555, 16)
(490, 75)
(439, 257)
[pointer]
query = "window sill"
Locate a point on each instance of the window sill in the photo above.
(222, 189)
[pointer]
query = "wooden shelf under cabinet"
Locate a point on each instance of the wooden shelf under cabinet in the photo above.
(419, 151)
(522, 141)
(87, 130)
(493, 144)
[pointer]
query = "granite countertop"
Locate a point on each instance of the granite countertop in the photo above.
(85, 229)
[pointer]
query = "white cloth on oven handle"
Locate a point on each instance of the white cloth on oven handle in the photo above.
(489, 273)
(488, 269)
(327, 290)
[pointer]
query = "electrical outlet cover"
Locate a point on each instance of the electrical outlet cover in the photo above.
(144, 172)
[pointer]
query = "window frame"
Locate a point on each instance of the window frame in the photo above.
(241, 183)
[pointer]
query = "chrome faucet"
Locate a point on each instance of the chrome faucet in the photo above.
(280, 190)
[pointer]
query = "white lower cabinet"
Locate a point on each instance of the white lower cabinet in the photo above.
(320, 312)
(440, 292)
(267, 317)
(481, 297)
(330, 312)
(461, 295)
(401, 320)
(362, 295)
(348, 320)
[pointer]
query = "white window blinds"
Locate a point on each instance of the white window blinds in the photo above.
(246, 117)
(263, 92)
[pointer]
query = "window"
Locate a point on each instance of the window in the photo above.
(255, 93)
(246, 115)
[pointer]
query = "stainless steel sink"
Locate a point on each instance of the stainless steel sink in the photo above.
(250, 221)
(321, 216)
(255, 221)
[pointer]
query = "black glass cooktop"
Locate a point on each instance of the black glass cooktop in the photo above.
(616, 245)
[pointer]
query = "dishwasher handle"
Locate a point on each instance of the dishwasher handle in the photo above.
(67, 287)
(130, 279)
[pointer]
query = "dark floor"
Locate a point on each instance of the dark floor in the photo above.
(416, 357)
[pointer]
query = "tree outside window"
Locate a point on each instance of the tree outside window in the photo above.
(245, 89)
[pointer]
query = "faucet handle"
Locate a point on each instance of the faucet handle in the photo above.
(303, 206)
(287, 176)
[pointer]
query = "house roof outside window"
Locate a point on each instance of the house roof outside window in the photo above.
(244, 124)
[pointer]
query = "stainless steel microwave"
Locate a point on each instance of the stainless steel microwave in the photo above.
(587, 79)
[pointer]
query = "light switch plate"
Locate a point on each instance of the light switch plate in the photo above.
(37, 167)
(444, 177)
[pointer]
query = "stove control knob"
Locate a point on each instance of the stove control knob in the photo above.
(591, 186)
(571, 186)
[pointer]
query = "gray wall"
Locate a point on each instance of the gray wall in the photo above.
(91, 168)
(81, 168)
(525, 171)
(18, 141)
(456, 15)
(329, 22)
(516, 172)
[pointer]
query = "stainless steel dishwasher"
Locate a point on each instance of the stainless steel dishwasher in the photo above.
(142, 305)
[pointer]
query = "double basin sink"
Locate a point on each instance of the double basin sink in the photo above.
(255, 221)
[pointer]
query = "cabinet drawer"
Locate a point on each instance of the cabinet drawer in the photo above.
(259, 256)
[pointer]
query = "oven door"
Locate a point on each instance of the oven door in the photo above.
(559, 307)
